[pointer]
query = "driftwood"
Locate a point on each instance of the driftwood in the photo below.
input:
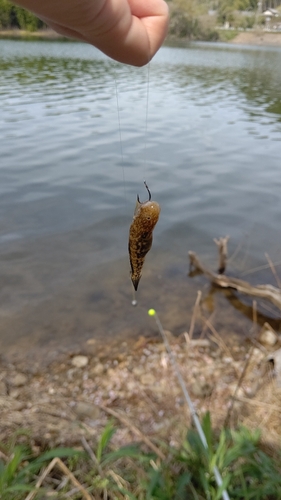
(222, 247)
(268, 292)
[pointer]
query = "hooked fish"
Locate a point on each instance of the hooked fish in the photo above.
(145, 219)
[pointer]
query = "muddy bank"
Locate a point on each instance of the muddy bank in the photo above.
(136, 386)
(257, 38)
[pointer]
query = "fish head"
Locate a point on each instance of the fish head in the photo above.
(149, 212)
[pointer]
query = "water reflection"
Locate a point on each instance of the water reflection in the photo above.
(210, 152)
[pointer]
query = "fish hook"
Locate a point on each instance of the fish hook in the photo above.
(149, 193)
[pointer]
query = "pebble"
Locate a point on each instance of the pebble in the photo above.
(137, 371)
(18, 380)
(19, 405)
(257, 355)
(80, 361)
(98, 369)
(17, 418)
(227, 360)
(14, 393)
(267, 335)
(200, 342)
(86, 410)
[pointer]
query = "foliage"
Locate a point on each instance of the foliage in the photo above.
(228, 35)
(12, 16)
(17, 472)
(27, 21)
(229, 11)
(186, 17)
(185, 25)
(247, 471)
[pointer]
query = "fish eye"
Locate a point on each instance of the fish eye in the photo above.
(148, 218)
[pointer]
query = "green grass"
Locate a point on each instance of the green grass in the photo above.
(131, 472)
(227, 35)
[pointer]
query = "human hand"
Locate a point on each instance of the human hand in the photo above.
(129, 31)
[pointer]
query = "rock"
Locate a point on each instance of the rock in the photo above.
(18, 380)
(17, 418)
(200, 342)
(86, 410)
(80, 361)
(252, 390)
(14, 393)
(267, 335)
(19, 405)
(227, 360)
(8, 403)
(91, 341)
(137, 371)
(240, 393)
(257, 355)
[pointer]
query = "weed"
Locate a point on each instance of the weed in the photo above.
(130, 472)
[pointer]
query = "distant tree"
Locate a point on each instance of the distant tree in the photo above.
(28, 21)
(5, 14)
(12, 16)
(228, 8)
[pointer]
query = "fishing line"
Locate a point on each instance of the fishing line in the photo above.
(194, 415)
(145, 159)
(146, 117)
(120, 134)
(134, 300)
(146, 214)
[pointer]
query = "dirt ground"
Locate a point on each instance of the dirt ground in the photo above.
(137, 387)
(257, 38)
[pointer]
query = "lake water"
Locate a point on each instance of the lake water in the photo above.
(202, 125)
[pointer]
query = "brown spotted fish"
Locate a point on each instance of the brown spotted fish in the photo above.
(145, 218)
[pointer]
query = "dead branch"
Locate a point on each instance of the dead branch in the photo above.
(58, 462)
(268, 292)
(273, 270)
(254, 402)
(240, 380)
(134, 430)
(194, 314)
(222, 248)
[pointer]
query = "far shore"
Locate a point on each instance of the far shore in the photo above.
(46, 34)
(258, 37)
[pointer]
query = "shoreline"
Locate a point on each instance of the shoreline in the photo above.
(74, 397)
(257, 38)
(252, 38)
